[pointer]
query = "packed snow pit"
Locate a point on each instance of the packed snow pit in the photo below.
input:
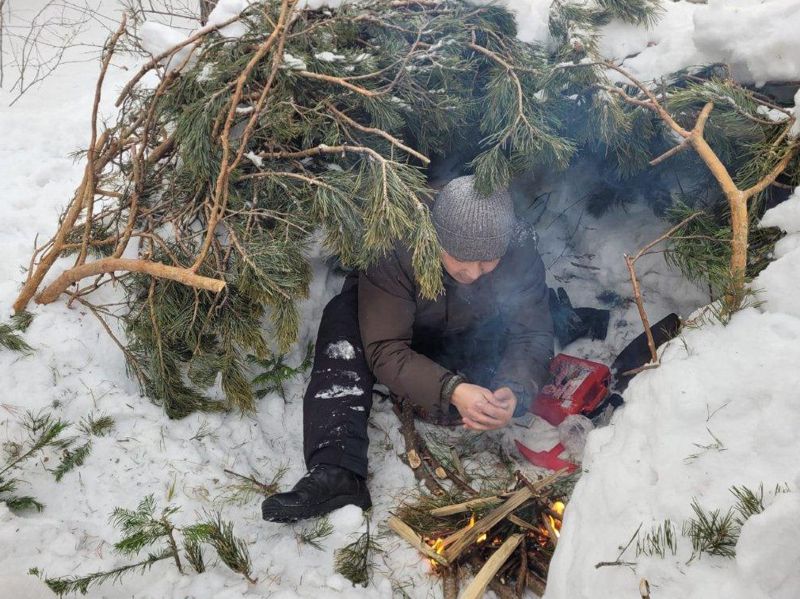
(691, 487)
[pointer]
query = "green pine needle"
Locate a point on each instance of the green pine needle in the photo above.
(354, 561)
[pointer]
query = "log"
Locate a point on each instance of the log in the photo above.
(477, 587)
(407, 533)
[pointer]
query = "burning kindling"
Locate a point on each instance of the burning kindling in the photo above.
(507, 540)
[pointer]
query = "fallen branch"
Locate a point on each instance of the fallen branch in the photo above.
(637, 292)
(108, 265)
(405, 413)
(737, 198)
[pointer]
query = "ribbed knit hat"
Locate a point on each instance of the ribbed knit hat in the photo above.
(471, 226)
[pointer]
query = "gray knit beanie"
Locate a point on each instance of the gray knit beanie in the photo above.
(471, 226)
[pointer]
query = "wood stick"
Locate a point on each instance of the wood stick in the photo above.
(552, 535)
(522, 523)
(477, 587)
(108, 265)
(522, 572)
(407, 533)
(484, 524)
(408, 429)
(450, 582)
(535, 584)
(466, 506)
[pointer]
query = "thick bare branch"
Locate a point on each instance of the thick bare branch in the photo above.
(108, 265)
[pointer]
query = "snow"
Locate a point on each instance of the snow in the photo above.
(777, 283)
(339, 391)
(226, 10)
(794, 133)
(767, 552)
(738, 381)
(340, 350)
(758, 38)
(292, 62)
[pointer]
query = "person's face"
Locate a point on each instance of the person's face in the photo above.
(467, 272)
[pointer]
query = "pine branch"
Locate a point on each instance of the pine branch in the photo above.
(72, 459)
(10, 339)
(712, 532)
(230, 549)
(67, 585)
(354, 561)
(313, 535)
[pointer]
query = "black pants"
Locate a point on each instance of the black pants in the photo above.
(338, 398)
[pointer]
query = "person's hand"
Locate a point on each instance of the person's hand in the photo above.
(505, 398)
(480, 409)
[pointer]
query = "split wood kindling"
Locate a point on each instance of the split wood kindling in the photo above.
(499, 547)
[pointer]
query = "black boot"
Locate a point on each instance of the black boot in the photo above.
(323, 489)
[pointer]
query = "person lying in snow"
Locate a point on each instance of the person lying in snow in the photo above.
(477, 354)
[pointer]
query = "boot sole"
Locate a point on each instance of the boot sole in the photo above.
(287, 514)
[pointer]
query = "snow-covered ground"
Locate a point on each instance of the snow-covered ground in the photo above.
(739, 382)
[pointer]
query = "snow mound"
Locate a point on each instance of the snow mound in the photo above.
(758, 38)
(722, 410)
(767, 552)
(777, 284)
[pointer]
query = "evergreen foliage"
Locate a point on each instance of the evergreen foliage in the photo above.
(356, 100)
(11, 339)
(316, 533)
(277, 372)
(712, 532)
(43, 432)
(658, 540)
(145, 527)
(246, 488)
(72, 456)
(748, 503)
(231, 550)
(354, 561)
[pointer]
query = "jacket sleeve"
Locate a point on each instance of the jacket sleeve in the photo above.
(526, 311)
(386, 310)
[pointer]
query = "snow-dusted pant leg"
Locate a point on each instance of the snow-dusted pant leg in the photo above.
(339, 395)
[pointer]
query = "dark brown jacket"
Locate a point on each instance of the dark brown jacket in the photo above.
(393, 317)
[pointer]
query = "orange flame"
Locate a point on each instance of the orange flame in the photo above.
(558, 508)
(481, 538)
(438, 547)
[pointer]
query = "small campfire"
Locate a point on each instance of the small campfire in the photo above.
(507, 540)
